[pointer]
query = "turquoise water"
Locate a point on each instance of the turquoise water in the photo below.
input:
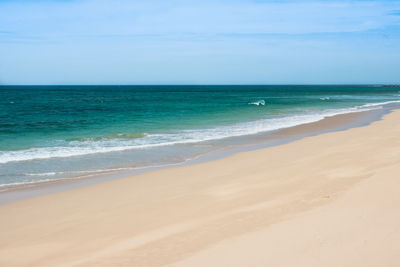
(53, 132)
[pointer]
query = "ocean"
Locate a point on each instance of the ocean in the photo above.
(59, 132)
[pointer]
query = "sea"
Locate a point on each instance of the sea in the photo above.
(50, 133)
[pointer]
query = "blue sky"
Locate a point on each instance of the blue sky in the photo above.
(199, 42)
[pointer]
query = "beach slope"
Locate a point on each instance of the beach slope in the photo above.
(327, 200)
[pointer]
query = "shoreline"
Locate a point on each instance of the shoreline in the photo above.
(339, 122)
(325, 200)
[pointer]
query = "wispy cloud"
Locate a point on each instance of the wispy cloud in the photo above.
(395, 13)
(202, 17)
(214, 40)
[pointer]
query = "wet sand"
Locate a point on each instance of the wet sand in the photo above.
(326, 200)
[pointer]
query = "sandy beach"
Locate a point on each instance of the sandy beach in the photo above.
(326, 200)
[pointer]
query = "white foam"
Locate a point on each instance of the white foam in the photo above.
(81, 148)
(9, 185)
(43, 174)
(77, 172)
(258, 103)
(380, 104)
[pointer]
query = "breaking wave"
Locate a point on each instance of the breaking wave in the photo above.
(88, 146)
(258, 103)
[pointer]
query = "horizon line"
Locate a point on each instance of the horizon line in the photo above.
(244, 84)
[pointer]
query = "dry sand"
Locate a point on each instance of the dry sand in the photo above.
(327, 200)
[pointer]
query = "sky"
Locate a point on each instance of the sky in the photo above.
(199, 42)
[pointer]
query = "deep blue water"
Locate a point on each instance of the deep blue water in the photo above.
(52, 132)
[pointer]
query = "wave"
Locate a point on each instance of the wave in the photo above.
(325, 98)
(42, 174)
(83, 174)
(4, 187)
(258, 103)
(380, 103)
(87, 147)
(114, 136)
(75, 172)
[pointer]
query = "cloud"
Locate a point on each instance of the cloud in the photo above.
(395, 13)
(225, 41)
(101, 18)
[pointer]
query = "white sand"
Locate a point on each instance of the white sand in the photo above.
(328, 200)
